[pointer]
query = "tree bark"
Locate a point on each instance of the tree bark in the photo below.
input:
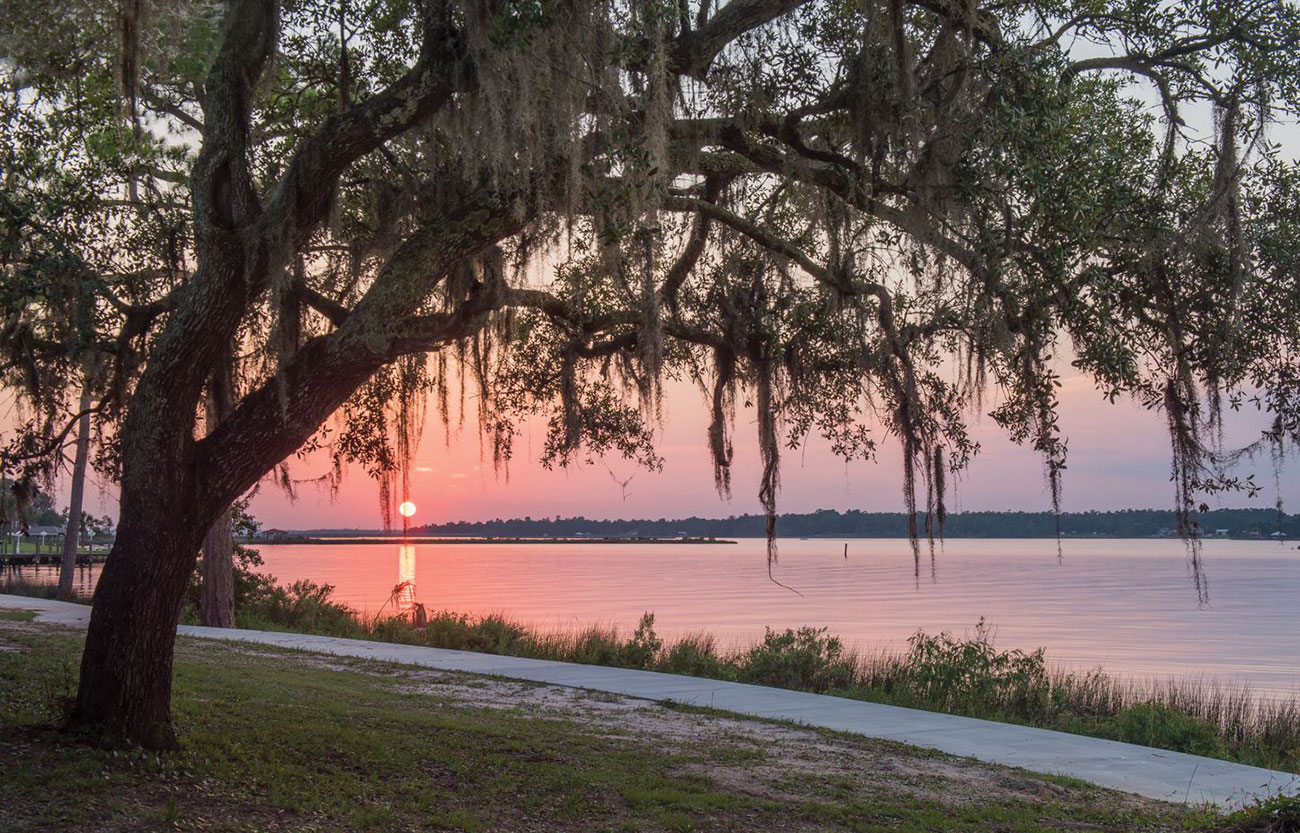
(217, 599)
(126, 668)
(71, 536)
(125, 686)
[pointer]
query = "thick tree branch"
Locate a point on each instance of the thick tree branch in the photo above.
(333, 311)
(302, 198)
(694, 51)
(979, 22)
(275, 420)
(761, 236)
(682, 267)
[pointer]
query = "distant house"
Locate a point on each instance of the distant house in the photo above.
(271, 535)
(1220, 533)
(42, 539)
(1278, 535)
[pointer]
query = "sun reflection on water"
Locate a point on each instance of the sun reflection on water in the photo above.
(404, 593)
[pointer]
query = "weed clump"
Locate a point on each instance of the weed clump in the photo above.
(1278, 814)
(970, 676)
(806, 659)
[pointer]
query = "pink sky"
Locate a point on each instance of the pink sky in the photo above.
(1119, 458)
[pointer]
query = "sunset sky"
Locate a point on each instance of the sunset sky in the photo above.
(1119, 458)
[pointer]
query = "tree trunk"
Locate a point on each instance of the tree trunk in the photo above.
(217, 603)
(125, 688)
(68, 566)
(217, 600)
(126, 668)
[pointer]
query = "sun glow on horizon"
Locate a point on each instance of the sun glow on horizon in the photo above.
(407, 509)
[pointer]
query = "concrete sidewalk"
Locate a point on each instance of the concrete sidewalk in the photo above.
(1154, 773)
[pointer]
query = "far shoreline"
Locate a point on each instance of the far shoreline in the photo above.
(296, 538)
(439, 539)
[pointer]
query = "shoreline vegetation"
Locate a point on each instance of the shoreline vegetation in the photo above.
(968, 676)
(1238, 524)
(295, 538)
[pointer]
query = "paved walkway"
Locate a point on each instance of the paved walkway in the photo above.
(1155, 773)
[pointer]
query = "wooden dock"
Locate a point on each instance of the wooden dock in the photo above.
(51, 559)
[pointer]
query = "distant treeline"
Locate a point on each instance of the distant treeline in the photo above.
(1129, 523)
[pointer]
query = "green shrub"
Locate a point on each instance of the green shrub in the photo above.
(1153, 724)
(394, 629)
(806, 659)
(697, 656)
(303, 606)
(504, 636)
(251, 588)
(596, 646)
(972, 677)
(643, 648)
(1279, 814)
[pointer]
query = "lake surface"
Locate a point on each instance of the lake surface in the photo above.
(1127, 605)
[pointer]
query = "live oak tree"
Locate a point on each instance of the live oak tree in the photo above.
(856, 218)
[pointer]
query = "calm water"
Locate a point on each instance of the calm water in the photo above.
(1128, 605)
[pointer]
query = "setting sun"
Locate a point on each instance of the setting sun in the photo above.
(407, 509)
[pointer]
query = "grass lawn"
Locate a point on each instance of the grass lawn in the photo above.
(287, 741)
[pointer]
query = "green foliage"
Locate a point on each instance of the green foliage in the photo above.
(489, 634)
(1158, 725)
(644, 647)
(972, 677)
(805, 659)
(303, 606)
(251, 587)
(242, 523)
(696, 655)
(1278, 814)
(22, 504)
